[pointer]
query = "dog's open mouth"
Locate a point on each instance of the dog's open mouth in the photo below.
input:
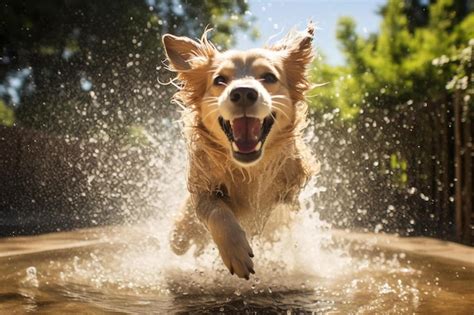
(247, 136)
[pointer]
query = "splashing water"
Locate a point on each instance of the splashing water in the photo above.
(132, 269)
(145, 259)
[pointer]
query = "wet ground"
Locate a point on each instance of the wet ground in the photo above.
(127, 270)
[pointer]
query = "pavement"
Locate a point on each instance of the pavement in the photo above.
(20, 245)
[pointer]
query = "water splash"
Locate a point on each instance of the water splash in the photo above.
(31, 278)
(132, 268)
(142, 258)
(139, 260)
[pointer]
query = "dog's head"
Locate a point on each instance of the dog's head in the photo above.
(246, 100)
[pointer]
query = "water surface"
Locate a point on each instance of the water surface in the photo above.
(131, 270)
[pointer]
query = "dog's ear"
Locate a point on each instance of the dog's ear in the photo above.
(301, 48)
(297, 51)
(192, 61)
(180, 51)
(297, 44)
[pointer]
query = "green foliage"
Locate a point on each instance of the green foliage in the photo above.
(463, 64)
(399, 167)
(336, 90)
(391, 100)
(137, 136)
(113, 46)
(7, 116)
(394, 66)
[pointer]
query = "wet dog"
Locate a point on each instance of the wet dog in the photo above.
(244, 115)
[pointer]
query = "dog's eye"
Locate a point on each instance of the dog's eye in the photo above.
(269, 78)
(220, 80)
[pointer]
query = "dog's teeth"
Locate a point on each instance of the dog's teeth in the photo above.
(259, 145)
(234, 146)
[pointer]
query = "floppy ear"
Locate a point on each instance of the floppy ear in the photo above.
(300, 49)
(297, 51)
(180, 51)
(192, 60)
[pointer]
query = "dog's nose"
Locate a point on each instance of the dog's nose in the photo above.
(243, 96)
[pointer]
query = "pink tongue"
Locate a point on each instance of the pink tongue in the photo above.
(246, 132)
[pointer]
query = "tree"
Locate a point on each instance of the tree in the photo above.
(85, 81)
(95, 66)
(7, 117)
(391, 105)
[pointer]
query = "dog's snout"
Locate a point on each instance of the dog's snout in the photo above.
(243, 96)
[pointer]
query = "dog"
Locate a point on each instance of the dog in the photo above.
(244, 114)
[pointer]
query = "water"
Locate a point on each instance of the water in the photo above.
(131, 270)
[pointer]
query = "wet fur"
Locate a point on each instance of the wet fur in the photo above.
(228, 201)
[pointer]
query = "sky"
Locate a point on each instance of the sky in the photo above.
(276, 17)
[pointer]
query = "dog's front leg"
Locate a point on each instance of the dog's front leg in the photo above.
(188, 231)
(226, 232)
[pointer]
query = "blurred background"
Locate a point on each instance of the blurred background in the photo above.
(87, 126)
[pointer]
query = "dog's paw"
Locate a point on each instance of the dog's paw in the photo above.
(179, 243)
(236, 252)
(186, 233)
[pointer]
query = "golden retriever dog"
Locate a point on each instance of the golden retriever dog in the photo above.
(244, 116)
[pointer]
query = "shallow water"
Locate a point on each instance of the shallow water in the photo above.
(131, 270)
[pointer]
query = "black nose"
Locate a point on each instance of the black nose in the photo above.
(243, 96)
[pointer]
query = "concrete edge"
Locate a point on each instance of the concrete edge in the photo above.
(424, 246)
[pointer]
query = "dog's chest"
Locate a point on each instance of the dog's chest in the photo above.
(254, 202)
